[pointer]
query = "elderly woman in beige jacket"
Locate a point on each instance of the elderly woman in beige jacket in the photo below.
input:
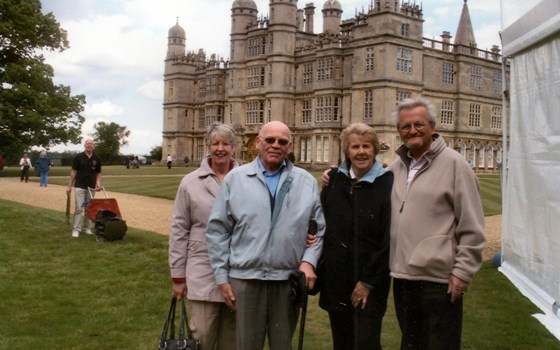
(211, 321)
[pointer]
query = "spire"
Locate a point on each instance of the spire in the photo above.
(465, 33)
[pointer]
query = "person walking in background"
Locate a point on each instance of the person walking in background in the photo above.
(354, 274)
(43, 165)
(256, 236)
(25, 165)
(437, 231)
(169, 161)
(211, 321)
(85, 174)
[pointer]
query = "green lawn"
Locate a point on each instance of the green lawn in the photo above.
(57, 292)
(149, 181)
(491, 194)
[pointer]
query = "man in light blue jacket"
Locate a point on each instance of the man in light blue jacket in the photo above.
(256, 238)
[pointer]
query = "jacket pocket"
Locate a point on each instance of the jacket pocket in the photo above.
(433, 256)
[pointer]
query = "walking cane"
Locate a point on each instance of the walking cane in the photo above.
(68, 208)
(312, 230)
(303, 315)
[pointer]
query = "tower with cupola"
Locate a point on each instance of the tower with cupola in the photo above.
(332, 13)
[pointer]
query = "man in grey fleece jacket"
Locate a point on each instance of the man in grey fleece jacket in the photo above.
(437, 231)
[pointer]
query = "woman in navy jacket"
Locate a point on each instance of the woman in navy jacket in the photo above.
(354, 273)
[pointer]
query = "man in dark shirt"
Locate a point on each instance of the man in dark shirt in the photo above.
(86, 173)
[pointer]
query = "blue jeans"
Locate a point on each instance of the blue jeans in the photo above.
(43, 178)
(427, 319)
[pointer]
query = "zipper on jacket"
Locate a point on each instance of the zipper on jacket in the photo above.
(411, 181)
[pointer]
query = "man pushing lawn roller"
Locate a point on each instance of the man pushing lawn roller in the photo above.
(86, 173)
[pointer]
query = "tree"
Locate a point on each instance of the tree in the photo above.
(156, 152)
(108, 140)
(33, 110)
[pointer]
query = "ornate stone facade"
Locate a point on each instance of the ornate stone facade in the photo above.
(355, 70)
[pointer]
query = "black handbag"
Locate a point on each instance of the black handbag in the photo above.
(179, 343)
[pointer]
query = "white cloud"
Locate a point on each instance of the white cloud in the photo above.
(152, 89)
(105, 109)
(142, 143)
(488, 35)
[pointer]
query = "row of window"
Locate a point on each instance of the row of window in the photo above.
(258, 112)
(489, 158)
(485, 158)
(447, 111)
(328, 109)
(325, 71)
(476, 77)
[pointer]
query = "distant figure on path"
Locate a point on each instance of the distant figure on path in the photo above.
(25, 165)
(169, 161)
(43, 165)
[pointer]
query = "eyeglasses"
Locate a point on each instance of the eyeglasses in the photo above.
(271, 140)
(418, 125)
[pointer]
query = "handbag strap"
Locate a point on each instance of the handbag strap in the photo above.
(170, 322)
(169, 326)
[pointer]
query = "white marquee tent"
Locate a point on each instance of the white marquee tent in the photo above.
(531, 181)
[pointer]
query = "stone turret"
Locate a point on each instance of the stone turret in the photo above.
(388, 5)
(282, 25)
(243, 16)
(300, 20)
(309, 12)
(332, 12)
(446, 40)
(176, 41)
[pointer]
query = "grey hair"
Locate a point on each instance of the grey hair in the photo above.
(361, 129)
(223, 130)
(410, 103)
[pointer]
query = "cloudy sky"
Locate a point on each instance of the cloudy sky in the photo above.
(117, 48)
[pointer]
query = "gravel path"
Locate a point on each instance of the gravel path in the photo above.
(147, 213)
(154, 214)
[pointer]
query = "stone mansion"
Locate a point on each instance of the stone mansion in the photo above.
(355, 70)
